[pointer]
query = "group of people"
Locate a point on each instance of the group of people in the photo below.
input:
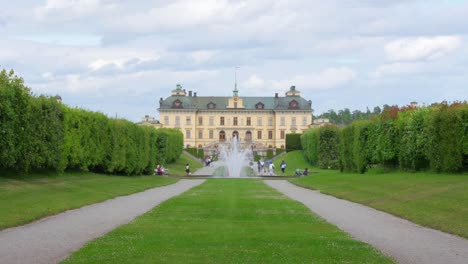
(298, 172)
(262, 166)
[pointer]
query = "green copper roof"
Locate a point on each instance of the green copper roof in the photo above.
(201, 102)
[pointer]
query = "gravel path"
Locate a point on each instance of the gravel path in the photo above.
(403, 240)
(52, 239)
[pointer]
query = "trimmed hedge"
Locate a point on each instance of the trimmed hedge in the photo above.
(413, 139)
(293, 142)
(39, 133)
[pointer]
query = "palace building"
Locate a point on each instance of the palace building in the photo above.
(259, 122)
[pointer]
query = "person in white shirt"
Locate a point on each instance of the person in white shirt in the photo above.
(271, 167)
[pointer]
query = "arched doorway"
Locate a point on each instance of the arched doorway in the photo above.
(248, 136)
(235, 134)
(222, 136)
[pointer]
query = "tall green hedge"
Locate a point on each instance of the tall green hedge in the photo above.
(293, 142)
(434, 137)
(39, 133)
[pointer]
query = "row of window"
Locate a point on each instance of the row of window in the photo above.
(235, 121)
(222, 135)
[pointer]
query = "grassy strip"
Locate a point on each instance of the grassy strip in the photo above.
(294, 160)
(434, 200)
(228, 221)
(178, 168)
(23, 201)
(28, 198)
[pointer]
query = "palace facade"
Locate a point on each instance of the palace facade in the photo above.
(260, 122)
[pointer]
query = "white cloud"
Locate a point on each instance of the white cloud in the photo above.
(75, 7)
(399, 68)
(421, 48)
(253, 81)
(325, 79)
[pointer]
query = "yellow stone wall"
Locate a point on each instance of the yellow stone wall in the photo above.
(191, 130)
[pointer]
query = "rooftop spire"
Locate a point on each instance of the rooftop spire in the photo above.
(235, 92)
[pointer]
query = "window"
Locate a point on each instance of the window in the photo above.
(293, 105)
(293, 121)
(221, 121)
(259, 121)
(249, 122)
(188, 134)
(177, 121)
(282, 134)
(188, 120)
(304, 121)
(200, 134)
(282, 121)
(235, 121)
(200, 120)
(259, 105)
(166, 120)
(259, 134)
(270, 134)
(211, 106)
(235, 104)
(270, 121)
(211, 121)
(211, 134)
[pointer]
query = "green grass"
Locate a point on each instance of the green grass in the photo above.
(435, 200)
(178, 168)
(228, 221)
(294, 160)
(28, 199)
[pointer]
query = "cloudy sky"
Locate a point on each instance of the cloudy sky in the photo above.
(119, 57)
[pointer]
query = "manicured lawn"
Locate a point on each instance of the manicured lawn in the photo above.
(435, 200)
(25, 200)
(178, 168)
(294, 160)
(228, 221)
(31, 197)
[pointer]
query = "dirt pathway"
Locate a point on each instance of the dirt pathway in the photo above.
(403, 240)
(51, 239)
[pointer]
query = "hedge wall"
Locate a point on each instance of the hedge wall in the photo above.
(293, 142)
(39, 133)
(413, 139)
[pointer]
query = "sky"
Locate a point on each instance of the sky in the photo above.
(119, 57)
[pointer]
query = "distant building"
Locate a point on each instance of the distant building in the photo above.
(319, 122)
(256, 121)
(149, 121)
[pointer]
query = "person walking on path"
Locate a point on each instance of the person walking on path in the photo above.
(283, 167)
(187, 169)
(259, 166)
(271, 167)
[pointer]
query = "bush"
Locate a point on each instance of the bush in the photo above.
(38, 133)
(293, 142)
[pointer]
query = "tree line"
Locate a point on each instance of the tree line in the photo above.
(39, 133)
(409, 138)
(346, 116)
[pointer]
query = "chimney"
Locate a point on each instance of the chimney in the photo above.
(160, 100)
(190, 93)
(194, 94)
(276, 95)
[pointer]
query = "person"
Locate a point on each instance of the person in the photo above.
(283, 166)
(272, 169)
(306, 172)
(187, 169)
(262, 164)
(298, 172)
(159, 170)
(156, 170)
(259, 166)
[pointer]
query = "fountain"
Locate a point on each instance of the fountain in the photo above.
(235, 158)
